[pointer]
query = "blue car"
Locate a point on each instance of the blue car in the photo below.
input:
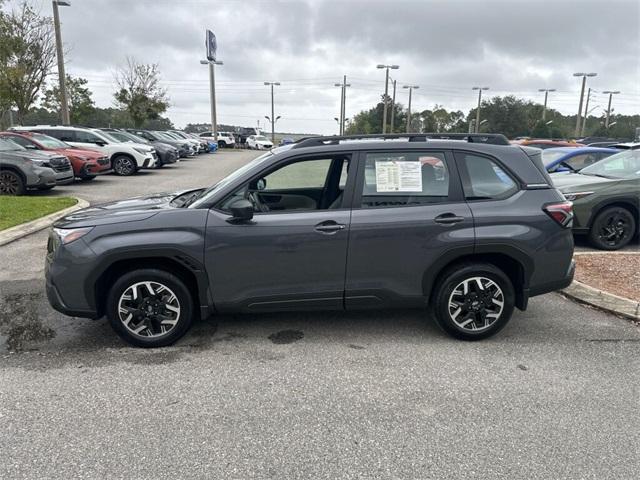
(213, 147)
(571, 159)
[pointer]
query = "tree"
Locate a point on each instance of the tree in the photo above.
(81, 104)
(439, 120)
(139, 91)
(27, 55)
(370, 121)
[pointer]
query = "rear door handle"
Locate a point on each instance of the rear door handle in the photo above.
(329, 227)
(448, 219)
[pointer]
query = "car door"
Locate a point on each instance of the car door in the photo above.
(409, 217)
(292, 254)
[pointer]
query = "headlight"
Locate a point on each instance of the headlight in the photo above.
(68, 235)
(39, 161)
(572, 197)
(143, 151)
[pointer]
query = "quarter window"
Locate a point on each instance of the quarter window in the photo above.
(397, 179)
(487, 180)
(86, 137)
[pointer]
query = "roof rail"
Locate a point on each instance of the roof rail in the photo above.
(490, 138)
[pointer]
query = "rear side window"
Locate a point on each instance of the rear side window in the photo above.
(486, 179)
(396, 179)
(64, 135)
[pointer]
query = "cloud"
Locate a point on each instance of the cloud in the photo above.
(446, 47)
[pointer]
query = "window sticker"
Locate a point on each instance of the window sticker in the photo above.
(398, 176)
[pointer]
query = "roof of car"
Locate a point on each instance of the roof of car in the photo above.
(578, 151)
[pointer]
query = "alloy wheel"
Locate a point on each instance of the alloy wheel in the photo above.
(476, 304)
(614, 230)
(9, 184)
(124, 166)
(149, 309)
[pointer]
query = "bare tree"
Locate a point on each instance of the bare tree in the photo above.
(27, 56)
(139, 91)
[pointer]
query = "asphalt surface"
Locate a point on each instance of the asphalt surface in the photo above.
(381, 394)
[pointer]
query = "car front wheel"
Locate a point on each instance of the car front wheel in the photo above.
(473, 301)
(11, 183)
(150, 308)
(123, 165)
(612, 229)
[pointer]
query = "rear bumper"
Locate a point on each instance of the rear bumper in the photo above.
(554, 285)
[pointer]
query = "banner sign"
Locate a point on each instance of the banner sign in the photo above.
(212, 46)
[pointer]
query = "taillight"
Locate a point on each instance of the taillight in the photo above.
(561, 212)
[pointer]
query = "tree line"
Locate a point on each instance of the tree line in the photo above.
(27, 58)
(509, 115)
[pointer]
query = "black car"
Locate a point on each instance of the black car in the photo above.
(184, 149)
(470, 228)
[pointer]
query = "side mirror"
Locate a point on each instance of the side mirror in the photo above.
(261, 184)
(241, 211)
(100, 143)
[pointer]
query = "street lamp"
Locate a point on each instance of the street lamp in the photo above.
(386, 94)
(584, 82)
(546, 95)
(411, 88)
(212, 92)
(611, 94)
(480, 89)
(273, 119)
(64, 103)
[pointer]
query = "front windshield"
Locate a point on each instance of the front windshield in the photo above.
(163, 136)
(109, 136)
(550, 156)
(50, 142)
(209, 192)
(621, 165)
(7, 145)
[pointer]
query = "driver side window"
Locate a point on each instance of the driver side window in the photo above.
(308, 184)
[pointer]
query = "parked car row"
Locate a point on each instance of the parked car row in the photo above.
(43, 156)
(602, 182)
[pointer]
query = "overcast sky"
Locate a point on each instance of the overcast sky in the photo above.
(446, 47)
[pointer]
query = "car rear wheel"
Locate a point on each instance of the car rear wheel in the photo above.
(123, 165)
(612, 228)
(11, 183)
(150, 308)
(473, 301)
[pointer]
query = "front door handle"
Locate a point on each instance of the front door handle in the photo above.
(448, 219)
(329, 227)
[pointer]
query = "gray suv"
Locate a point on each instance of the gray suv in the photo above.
(468, 225)
(21, 169)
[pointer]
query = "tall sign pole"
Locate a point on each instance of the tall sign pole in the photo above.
(64, 103)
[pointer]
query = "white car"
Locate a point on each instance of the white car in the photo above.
(225, 139)
(259, 142)
(126, 158)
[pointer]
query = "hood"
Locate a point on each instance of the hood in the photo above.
(163, 147)
(131, 145)
(129, 210)
(570, 182)
(75, 152)
(37, 155)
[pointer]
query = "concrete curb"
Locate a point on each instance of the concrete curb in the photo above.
(603, 300)
(19, 231)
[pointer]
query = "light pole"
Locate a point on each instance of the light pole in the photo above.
(393, 106)
(386, 94)
(343, 100)
(611, 94)
(480, 89)
(584, 82)
(410, 87)
(212, 90)
(64, 103)
(546, 95)
(273, 119)
(586, 111)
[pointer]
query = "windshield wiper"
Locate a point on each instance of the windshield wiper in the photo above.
(596, 175)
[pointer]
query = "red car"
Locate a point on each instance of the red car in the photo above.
(86, 163)
(544, 143)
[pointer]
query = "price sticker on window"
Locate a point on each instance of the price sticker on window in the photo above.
(398, 176)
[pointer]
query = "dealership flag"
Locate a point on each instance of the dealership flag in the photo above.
(212, 46)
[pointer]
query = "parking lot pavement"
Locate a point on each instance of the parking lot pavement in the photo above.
(310, 395)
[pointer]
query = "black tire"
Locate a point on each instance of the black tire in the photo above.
(612, 229)
(11, 183)
(154, 276)
(88, 178)
(483, 302)
(124, 165)
(221, 144)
